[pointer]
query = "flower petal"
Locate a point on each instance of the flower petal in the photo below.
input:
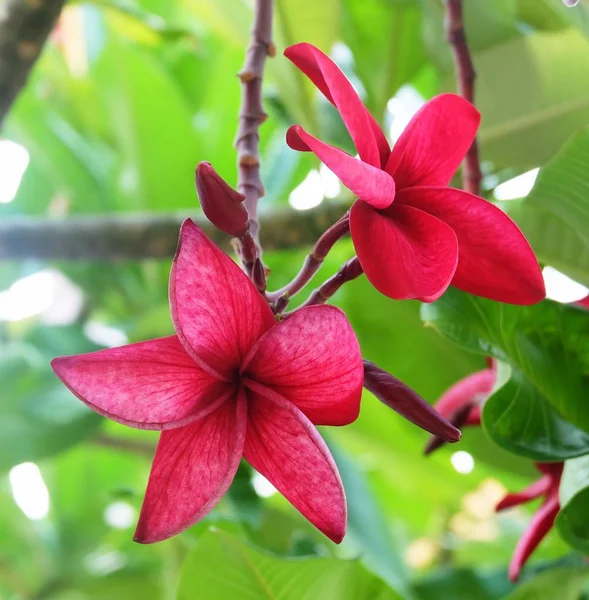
(282, 444)
(533, 491)
(472, 389)
(192, 469)
(402, 399)
(149, 385)
(404, 252)
(369, 183)
(495, 259)
(368, 137)
(313, 359)
(539, 526)
(434, 143)
(217, 311)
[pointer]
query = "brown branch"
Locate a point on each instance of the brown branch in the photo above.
(140, 236)
(24, 27)
(465, 79)
(252, 113)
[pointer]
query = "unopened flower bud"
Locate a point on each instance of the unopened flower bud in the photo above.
(222, 205)
(401, 398)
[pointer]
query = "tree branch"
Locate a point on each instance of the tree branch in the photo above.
(140, 236)
(252, 113)
(465, 78)
(24, 27)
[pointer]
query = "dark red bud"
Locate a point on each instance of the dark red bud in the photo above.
(222, 205)
(460, 418)
(402, 399)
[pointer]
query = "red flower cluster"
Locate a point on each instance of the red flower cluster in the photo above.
(232, 382)
(414, 236)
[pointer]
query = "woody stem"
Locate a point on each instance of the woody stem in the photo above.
(465, 79)
(251, 116)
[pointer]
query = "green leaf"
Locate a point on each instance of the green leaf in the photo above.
(563, 583)
(542, 345)
(574, 497)
(365, 524)
(533, 93)
(222, 567)
(555, 215)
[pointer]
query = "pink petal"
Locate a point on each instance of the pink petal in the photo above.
(472, 389)
(369, 183)
(149, 385)
(533, 491)
(368, 137)
(495, 260)
(402, 399)
(217, 311)
(404, 252)
(192, 469)
(434, 143)
(283, 445)
(539, 526)
(312, 359)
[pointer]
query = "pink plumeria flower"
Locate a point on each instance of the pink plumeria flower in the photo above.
(547, 488)
(415, 236)
(231, 383)
(461, 404)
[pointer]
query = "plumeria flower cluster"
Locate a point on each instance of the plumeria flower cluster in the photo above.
(242, 379)
(462, 404)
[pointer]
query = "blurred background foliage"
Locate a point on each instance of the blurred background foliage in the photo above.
(128, 97)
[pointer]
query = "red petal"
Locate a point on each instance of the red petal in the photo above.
(149, 385)
(218, 313)
(434, 143)
(368, 137)
(283, 445)
(472, 389)
(402, 399)
(537, 489)
(369, 183)
(404, 252)
(539, 526)
(192, 469)
(495, 260)
(312, 359)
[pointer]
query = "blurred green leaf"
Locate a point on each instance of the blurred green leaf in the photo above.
(563, 583)
(222, 567)
(574, 496)
(555, 215)
(541, 344)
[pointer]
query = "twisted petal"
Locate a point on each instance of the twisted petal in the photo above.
(539, 526)
(533, 491)
(149, 385)
(217, 311)
(402, 399)
(192, 469)
(370, 183)
(368, 137)
(405, 252)
(495, 259)
(312, 359)
(472, 389)
(283, 445)
(434, 143)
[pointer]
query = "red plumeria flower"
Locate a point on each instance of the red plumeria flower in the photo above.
(232, 382)
(462, 403)
(546, 487)
(414, 236)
